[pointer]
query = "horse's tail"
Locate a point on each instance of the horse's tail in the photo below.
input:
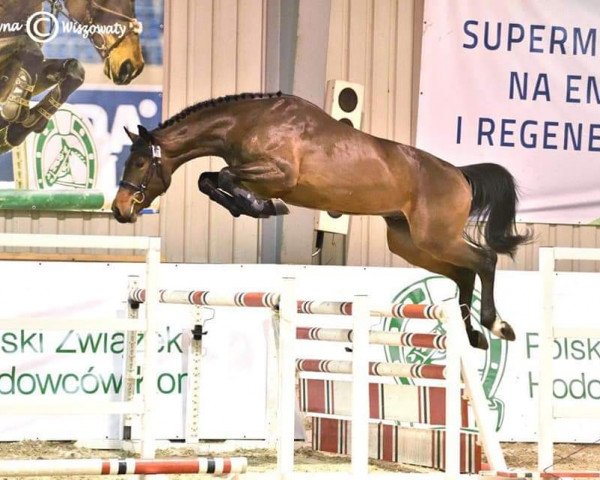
(494, 202)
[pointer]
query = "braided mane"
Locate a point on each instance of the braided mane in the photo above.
(213, 103)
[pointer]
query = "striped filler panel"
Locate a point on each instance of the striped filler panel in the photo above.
(418, 340)
(378, 369)
(401, 403)
(415, 446)
(521, 474)
(129, 466)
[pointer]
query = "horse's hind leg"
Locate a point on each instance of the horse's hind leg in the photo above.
(401, 243)
(442, 237)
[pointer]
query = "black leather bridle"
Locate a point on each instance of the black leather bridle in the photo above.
(139, 189)
(133, 25)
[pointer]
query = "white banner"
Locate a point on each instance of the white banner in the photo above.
(84, 365)
(516, 83)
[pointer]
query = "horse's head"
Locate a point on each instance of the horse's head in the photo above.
(119, 46)
(145, 177)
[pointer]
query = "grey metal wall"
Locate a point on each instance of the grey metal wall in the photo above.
(217, 47)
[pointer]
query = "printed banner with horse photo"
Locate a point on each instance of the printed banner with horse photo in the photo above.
(73, 75)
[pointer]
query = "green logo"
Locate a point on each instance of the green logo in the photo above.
(65, 154)
(434, 290)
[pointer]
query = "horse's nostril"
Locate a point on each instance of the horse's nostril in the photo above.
(126, 71)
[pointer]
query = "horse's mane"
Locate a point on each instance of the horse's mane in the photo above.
(213, 102)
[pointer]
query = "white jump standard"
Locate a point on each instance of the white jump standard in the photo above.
(286, 308)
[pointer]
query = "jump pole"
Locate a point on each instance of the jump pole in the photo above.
(130, 466)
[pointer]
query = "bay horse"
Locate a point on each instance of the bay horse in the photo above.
(24, 72)
(285, 148)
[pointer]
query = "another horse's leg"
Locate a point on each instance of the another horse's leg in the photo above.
(20, 64)
(441, 235)
(9, 70)
(401, 243)
(247, 201)
(27, 63)
(66, 76)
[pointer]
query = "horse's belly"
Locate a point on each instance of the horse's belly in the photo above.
(376, 201)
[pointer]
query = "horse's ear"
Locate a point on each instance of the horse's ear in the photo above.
(145, 134)
(132, 136)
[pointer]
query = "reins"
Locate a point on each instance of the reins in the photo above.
(133, 25)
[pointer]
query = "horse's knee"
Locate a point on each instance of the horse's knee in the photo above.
(207, 182)
(74, 72)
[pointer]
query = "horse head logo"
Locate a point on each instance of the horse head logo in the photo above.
(61, 169)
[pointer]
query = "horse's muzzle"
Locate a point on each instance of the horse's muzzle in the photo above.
(119, 217)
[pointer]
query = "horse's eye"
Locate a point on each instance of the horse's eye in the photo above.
(139, 163)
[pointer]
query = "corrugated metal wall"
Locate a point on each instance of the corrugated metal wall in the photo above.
(217, 47)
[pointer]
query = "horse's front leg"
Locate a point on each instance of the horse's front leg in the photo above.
(247, 201)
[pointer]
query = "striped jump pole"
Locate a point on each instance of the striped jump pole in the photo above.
(271, 300)
(378, 369)
(129, 466)
(397, 339)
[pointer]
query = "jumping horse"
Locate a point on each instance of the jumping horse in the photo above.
(24, 72)
(281, 148)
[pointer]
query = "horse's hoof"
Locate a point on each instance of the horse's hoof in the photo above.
(503, 330)
(478, 340)
(279, 207)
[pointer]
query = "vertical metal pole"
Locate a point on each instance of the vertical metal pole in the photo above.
(130, 358)
(149, 386)
(546, 376)
(360, 386)
(453, 388)
(287, 378)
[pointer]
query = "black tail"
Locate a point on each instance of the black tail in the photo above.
(495, 200)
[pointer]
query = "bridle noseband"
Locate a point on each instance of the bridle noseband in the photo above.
(139, 190)
(133, 25)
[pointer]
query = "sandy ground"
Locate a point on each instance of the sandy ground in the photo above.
(518, 455)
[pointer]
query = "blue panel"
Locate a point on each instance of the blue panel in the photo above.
(116, 104)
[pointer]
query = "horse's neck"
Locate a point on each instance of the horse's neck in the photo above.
(201, 134)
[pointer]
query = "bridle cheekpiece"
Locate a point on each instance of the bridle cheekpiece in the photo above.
(139, 190)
